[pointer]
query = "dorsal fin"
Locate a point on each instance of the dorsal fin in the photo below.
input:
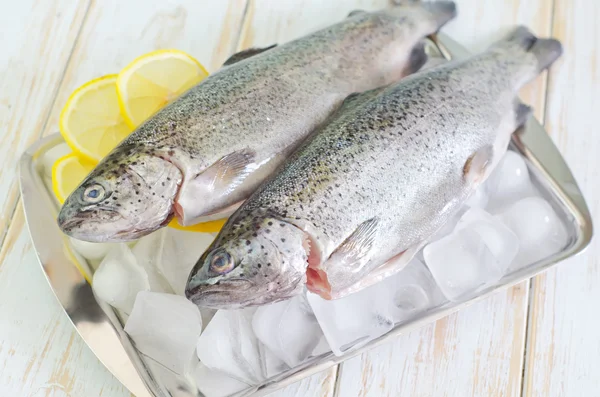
(355, 13)
(360, 97)
(240, 56)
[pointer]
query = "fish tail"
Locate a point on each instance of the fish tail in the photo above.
(545, 51)
(439, 12)
(442, 12)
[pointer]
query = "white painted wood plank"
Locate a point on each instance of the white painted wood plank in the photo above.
(471, 353)
(318, 385)
(116, 32)
(270, 22)
(564, 349)
(37, 39)
(40, 352)
(477, 351)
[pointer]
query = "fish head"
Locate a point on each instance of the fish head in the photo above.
(248, 265)
(127, 196)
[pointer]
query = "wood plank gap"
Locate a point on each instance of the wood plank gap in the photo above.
(13, 211)
(531, 291)
(246, 19)
(338, 380)
(529, 326)
(64, 73)
(46, 118)
(548, 74)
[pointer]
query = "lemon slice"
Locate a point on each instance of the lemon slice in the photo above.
(153, 80)
(67, 173)
(91, 122)
(205, 227)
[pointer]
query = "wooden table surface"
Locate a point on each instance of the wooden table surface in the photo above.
(540, 338)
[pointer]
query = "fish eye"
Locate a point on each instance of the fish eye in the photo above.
(221, 262)
(93, 194)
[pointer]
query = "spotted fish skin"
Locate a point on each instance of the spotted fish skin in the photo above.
(370, 187)
(228, 133)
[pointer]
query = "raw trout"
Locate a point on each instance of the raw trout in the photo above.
(202, 155)
(363, 194)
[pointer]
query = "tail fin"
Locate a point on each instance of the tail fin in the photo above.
(546, 51)
(440, 12)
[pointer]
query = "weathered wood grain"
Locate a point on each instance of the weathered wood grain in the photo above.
(479, 350)
(40, 352)
(117, 32)
(37, 40)
(270, 22)
(476, 352)
(563, 355)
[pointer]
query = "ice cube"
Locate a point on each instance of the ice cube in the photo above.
(170, 383)
(288, 328)
(447, 228)
(119, 278)
(207, 315)
(508, 182)
(229, 345)
(321, 348)
(352, 321)
(272, 365)
(165, 327)
(148, 252)
(541, 233)
(213, 383)
(180, 250)
(53, 154)
(479, 198)
(413, 291)
(91, 251)
(476, 254)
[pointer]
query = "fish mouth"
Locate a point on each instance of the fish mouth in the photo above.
(67, 222)
(229, 295)
(67, 225)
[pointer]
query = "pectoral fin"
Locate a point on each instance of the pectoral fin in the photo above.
(240, 56)
(211, 190)
(349, 257)
(229, 171)
(392, 266)
(476, 165)
(357, 247)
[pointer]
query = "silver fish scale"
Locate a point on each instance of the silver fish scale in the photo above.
(247, 104)
(218, 141)
(398, 157)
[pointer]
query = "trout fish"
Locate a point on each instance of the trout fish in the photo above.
(200, 156)
(362, 195)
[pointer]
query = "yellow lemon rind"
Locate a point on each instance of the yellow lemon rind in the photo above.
(82, 152)
(121, 95)
(205, 227)
(55, 175)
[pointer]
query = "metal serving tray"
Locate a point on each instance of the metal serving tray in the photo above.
(102, 329)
